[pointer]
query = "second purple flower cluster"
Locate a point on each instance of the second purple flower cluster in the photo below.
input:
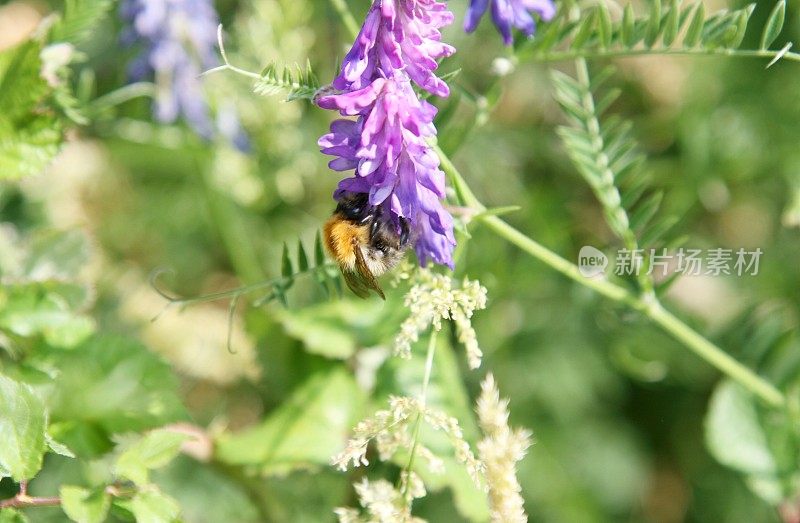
(178, 40)
(509, 14)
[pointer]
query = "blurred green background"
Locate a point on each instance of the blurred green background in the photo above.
(615, 405)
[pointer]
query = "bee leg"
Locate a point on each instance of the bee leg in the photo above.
(404, 231)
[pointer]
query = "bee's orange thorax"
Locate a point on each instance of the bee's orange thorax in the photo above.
(341, 238)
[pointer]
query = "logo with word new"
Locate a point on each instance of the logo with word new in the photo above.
(591, 262)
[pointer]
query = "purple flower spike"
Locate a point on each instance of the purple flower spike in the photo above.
(508, 14)
(179, 39)
(387, 147)
(387, 142)
(399, 35)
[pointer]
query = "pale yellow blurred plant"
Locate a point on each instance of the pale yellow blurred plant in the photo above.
(383, 502)
(500, 450)
(434, 297)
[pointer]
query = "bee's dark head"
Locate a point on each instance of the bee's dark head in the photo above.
(355, 207)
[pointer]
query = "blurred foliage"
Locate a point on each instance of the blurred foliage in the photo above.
(619, 410)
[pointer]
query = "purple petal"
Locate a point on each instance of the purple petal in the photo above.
(474, 14)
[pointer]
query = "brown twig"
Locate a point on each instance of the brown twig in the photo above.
(22, 499)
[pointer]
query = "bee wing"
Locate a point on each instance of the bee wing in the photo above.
(367, 279)
(356, 283)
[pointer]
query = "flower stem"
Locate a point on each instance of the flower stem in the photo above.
(122, 95)
(418, 422)
(561, 56)
(428, 365)
(231, 228)
(347, 17)
(714, 355)
(651, 308)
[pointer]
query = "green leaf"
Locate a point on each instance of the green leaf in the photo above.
(57, 447)
(733, 432)
(298, 84)
(22, 429)
(655, 232)
(86, 440)
(48, 308)
(21, 86)
(30, 136)
(546, 37)
(207, 493)
(321, 275)
(29, 149)
(287, 270)
(602, 105)
(117, 384)
(154, 450)
(78, 20)
(646, 210)
(585, 30)
(83, 505)
(671, 24)
(739, 31)
(720, 29)
(152, 506)
(695, 26)
(774, 24)
(321, 329)
(335, 329)
(319, 252)
(604, 27)
(302, 258)
(628, 26)
(653, 23)
(10, 515)
(305, 431)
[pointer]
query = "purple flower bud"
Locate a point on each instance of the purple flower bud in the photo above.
(179, 40)
(508, 14)
(399, 35)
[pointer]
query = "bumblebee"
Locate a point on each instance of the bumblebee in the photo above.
(365, 242)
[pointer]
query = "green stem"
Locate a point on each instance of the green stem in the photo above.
(347, 17)
(428, 365)
(232, 231)
(122, 95)
(423, 399)
(646, 305)
(237, 291)
(570, 270)
(572, 54)
(714, 355)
